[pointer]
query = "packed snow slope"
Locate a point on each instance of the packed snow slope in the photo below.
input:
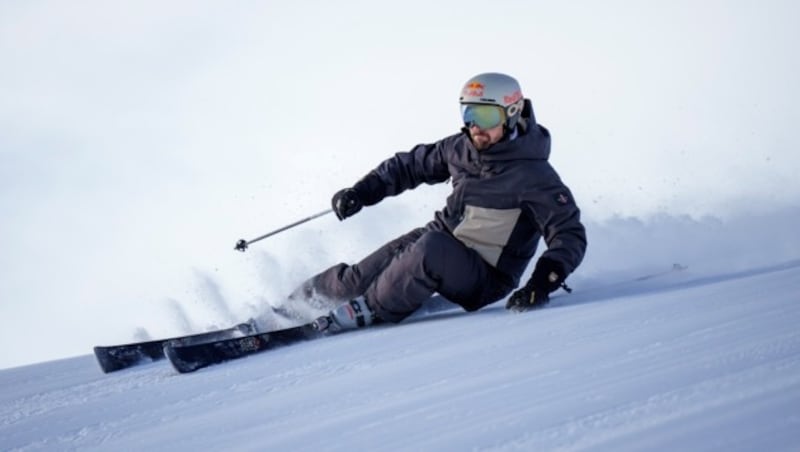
(669, 360)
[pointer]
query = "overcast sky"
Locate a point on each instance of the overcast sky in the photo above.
(140, 140)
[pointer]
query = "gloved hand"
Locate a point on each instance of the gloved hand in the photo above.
(547, 277)
(346, 203)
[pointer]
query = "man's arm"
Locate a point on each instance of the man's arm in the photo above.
(558, 218)
(425, 163)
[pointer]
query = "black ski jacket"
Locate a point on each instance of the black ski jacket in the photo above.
(504, 198)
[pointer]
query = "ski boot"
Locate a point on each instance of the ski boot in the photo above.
(347, 316)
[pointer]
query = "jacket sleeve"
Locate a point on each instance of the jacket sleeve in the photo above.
(406, 170)
(559, 220)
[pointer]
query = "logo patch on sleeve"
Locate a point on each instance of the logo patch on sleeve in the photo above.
(561, 198)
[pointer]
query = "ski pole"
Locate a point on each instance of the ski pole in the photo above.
(242, 244)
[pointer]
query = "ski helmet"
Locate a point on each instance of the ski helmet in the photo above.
(492, 88)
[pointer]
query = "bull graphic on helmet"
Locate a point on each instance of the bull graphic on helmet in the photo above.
(473, 89)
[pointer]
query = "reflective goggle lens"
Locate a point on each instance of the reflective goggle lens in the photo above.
(483, 116)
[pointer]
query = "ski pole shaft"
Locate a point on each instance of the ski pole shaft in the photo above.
(242, 244)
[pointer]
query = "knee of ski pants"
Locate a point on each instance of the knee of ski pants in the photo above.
(458, 272)
(412, 277)
(435, 247)
(471, 283)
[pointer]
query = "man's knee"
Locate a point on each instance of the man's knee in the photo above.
(435, 248)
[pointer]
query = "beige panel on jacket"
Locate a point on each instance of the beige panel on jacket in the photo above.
(487, 230)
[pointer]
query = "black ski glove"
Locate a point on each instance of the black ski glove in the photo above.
(346, 203)
(547, 277)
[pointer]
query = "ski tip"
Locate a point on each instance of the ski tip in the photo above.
(104, 360)
(181, 365)
(114, 358)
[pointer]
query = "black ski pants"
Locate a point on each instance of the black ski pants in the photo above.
(398, 277)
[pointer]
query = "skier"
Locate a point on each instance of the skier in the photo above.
(506, 196)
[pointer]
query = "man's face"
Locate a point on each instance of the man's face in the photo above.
(484, 122)
(482, 139)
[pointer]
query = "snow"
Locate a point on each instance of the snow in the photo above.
(677, 361)
(131, 162)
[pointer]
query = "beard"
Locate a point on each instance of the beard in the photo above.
(481, 140)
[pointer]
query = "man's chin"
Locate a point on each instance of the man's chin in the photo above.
(481, 143)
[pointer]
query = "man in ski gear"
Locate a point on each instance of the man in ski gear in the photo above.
(505, 198)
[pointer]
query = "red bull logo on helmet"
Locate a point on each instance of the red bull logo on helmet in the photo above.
(473, 89)
(517, 95)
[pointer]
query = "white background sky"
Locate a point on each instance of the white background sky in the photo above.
(140, 140)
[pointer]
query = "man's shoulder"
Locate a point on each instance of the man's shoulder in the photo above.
(455, 140)
(452, 147)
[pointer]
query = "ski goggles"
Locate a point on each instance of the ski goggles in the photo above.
(483, 116)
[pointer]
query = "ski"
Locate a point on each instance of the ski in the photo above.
(187, 358)
(117, 357)
(190, 353)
